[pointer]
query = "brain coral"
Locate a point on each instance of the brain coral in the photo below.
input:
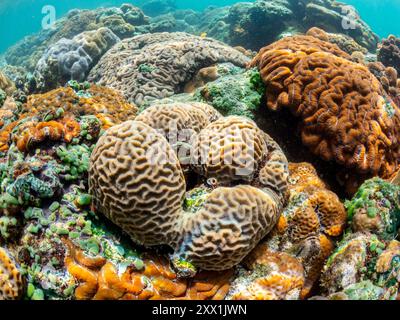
(235, 149)
(11, 281)
(308, 225)
(345, 115)
(72, 59)
(389, 52)
(136, 180)
(179, 122)
(6, 84)
(158, 65)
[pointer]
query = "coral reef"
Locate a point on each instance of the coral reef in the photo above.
(239, 216)
(72, 59)
(121, 21)
(158, 65)
(349, 119)
(389, 52)
(11, 280)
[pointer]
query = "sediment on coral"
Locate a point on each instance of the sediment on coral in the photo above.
(155, 66)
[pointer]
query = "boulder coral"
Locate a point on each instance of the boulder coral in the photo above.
(11, 281)
(155, 66)
(137, 182)
(389, 52)
(345, 115)
(72, 59)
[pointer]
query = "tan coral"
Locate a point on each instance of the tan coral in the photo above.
(99, 279)
(11, 281)
(146, 179)
(235, 149)
(137, 182)
(6, 84)
(269, 276)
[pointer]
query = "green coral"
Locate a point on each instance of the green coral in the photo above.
(75, 159)
(378, 198)
(237, 94)
(195, 199)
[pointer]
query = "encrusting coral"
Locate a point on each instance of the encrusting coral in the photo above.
(99, 279)
(345, 115)
(229, 221)
(305, 233)
(365, 264)
(11, 281)
(159, 65)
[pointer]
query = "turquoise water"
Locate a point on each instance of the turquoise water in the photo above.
(19, 18)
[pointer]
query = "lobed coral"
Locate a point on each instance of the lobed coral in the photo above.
(306, 229)
(11, 281)
(349, 119)
(229, 220)
(131, 66)
(72, 59)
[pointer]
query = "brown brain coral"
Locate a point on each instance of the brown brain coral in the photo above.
(107, 104)
(11, 281)
(99, 279)
(230, 224)
(345, 115)
(136, 181)
(235, 149)
(154, 66)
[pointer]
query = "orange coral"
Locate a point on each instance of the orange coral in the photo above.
(271, 276)
(12, 283)
(306, 228)
(32, 133)
(345, 115)
(99, 280)
(108, 105)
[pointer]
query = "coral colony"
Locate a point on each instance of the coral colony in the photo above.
(201, 156)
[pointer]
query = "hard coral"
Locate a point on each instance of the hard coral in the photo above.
(99, 279)
(158, 65)
(375, 208)
(345, 115)
(108, 105)
(268, 276)
(6, 84)
(72, 59)
(363, 257)
(313, 218)
(12, 283)
(389, 52)
(229, 221)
